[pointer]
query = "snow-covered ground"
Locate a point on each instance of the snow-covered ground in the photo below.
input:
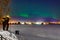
(37, 32)
(8, 35)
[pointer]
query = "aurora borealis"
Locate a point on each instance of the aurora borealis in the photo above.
(35, 8)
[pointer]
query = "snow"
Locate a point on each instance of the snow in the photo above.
(8, 35)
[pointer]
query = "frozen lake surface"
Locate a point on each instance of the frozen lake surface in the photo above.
(37, 32)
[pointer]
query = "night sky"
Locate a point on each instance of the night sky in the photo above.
(31, 9)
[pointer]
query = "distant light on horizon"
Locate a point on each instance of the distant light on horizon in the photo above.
(22, 22)
(38, 22)
(13, 21)
(28, 22)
